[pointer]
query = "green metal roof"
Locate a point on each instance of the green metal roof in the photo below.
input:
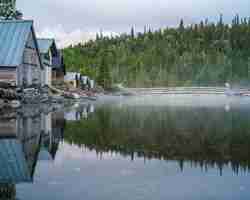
(13, 37)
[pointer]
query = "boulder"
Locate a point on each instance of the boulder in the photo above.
(15, 104)
(71, 95)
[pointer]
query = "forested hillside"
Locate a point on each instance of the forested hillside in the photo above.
(201, 54)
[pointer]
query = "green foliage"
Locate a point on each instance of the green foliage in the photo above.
(104, 77)
(8, 10)
(201, 54)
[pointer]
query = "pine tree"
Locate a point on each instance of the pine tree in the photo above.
(204, 53)
(104, 78)
(181, 26)
(132, 33)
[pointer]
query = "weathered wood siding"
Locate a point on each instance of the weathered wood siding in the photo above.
(57, 75)
(30, 71)
(8, 75)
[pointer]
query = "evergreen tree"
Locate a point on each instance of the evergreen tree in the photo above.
(8, 10)
(199, 54)
(132, 33)
(104, 78)
(181, 26)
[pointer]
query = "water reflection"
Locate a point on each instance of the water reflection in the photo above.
(98, 141)
(27, 137)
(205, 136)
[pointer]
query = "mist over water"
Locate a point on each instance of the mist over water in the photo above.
(143, 147)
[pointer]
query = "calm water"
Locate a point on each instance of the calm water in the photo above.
(172, 147)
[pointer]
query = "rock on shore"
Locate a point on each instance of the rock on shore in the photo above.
(11, 97)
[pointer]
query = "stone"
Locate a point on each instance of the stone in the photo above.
(15, 104)
(2, 103)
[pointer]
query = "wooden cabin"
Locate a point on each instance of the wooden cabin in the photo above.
(58, 67)
(48, 51)
(20, 60)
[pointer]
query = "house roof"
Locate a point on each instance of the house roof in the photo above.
(45, 44)
(13, 37)
(13, 166)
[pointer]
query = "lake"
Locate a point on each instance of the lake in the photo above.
(147, 147)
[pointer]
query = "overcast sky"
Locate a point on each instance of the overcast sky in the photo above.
(73, 20)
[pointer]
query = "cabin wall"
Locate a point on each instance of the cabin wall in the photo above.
(58, 70)
(31, 72)
(47, 72)
(48, 75)
(57, 75)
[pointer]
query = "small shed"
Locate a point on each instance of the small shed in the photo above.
(48, 51)
(20, 61)
(73, 78)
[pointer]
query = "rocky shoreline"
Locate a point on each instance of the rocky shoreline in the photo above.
(12, 98)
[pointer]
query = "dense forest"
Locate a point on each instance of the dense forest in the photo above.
(204, 54)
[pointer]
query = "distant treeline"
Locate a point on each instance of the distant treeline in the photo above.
(202, 54)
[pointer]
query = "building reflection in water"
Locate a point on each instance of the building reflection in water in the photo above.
(24, 139)
(28, 137)
(198, 136)
(77, 112)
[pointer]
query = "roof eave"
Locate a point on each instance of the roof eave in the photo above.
(8, 67)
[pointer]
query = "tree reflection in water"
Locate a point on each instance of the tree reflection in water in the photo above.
(200, 136)
(206, 137)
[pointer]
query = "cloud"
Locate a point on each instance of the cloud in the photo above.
(77, 16)
(64, 38)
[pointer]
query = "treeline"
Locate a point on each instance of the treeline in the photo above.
(204, 54)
